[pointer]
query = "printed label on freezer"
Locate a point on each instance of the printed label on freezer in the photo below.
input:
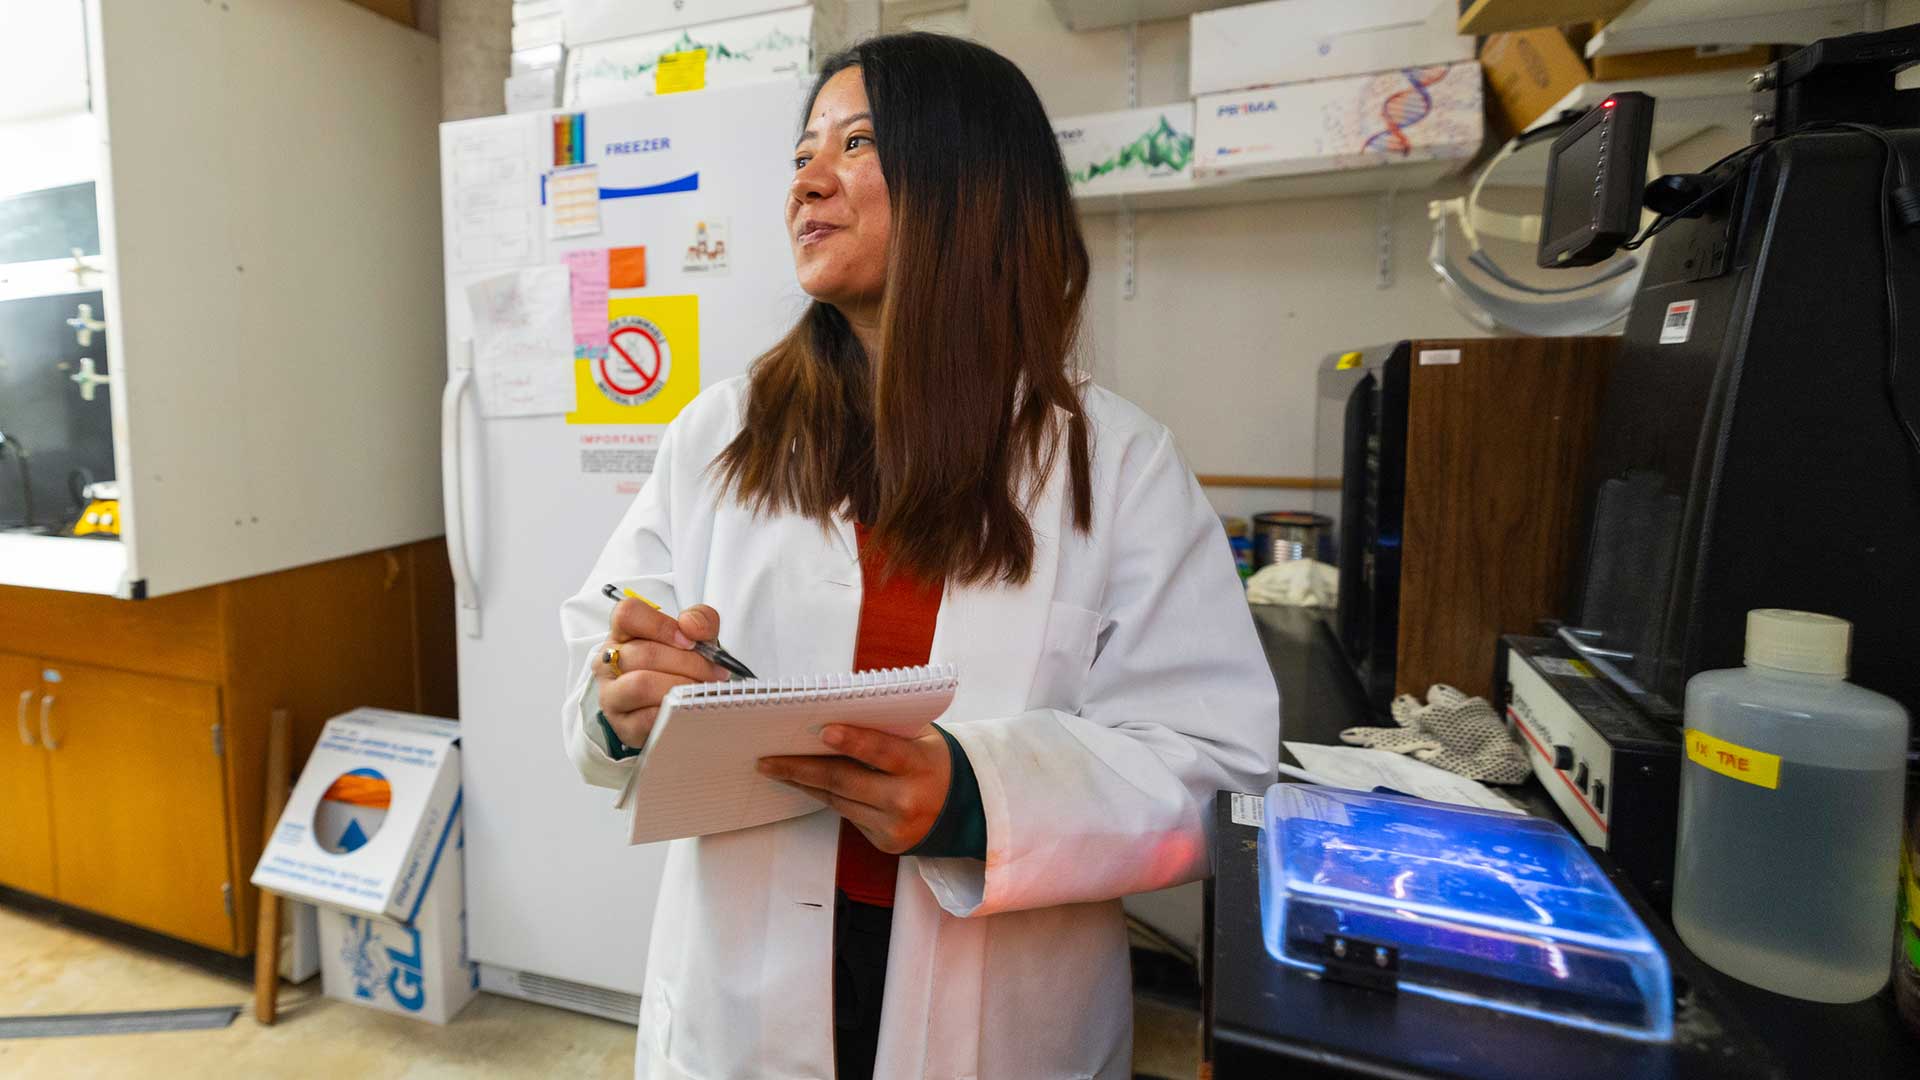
(639, 363)
(624, 457)
(707, 250)
(573, 201)
(652, 366)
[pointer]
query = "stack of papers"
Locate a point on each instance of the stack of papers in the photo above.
(1361, 769)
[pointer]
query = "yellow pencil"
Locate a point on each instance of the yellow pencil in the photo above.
(709, 649)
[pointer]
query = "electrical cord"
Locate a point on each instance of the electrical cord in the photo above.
(1903, 200)
(1660, 224)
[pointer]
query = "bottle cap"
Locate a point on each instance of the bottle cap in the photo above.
(1798, 641)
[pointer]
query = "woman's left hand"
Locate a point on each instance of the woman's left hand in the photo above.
(891, 788)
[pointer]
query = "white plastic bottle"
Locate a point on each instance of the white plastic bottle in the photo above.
(1788, 858)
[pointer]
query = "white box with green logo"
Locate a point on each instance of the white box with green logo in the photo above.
(1131, 152)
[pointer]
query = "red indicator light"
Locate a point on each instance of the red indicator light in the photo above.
(1607, 104)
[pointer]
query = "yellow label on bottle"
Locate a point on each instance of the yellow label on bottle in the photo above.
(678, 72)
(1348, 361)
(1743, 763)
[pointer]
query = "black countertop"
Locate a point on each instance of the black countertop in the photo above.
(1260, 1016)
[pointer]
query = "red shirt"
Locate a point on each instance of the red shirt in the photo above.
(897, 618)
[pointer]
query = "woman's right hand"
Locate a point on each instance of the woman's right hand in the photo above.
(655, 655)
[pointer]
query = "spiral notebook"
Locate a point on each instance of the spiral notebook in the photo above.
(696, 774)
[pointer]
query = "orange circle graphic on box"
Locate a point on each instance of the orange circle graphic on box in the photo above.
(361, 790)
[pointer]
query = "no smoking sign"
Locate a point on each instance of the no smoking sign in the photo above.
(638, 363)
(650, 368)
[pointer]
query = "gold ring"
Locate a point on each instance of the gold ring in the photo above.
(612, 657)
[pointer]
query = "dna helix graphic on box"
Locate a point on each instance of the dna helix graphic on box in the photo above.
(1404, 109)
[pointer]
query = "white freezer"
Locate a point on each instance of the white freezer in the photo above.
(554, 891)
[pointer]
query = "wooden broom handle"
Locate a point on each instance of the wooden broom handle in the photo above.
(266, 955)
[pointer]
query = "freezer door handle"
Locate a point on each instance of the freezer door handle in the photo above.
(26, 733)
(466, 587)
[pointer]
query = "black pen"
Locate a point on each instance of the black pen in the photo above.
(709, 649)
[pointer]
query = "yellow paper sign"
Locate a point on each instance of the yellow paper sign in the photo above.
(652, 364)
(678, 71)
(1731, 759)
(1348, 361)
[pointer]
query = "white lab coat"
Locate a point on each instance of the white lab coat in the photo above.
(1101, 705)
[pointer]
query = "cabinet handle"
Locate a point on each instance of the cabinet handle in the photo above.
(26, 733)
(46, 730)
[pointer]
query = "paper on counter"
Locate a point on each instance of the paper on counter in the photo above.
(1363, 769)
(523, 343)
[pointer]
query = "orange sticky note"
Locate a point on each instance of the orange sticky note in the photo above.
(627, 268)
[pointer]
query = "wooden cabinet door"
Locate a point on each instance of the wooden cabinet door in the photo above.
(26, 842)
(139, 802)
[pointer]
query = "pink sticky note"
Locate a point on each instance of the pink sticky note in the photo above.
(588, 270)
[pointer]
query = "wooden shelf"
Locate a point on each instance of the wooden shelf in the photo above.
(1497, 16)
(1412, 176)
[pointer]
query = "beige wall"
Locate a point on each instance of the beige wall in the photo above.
(475, 38)
(1234, 306)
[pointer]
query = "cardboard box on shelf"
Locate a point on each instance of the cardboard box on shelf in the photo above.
(371, 836)
(734, 52)
(606, 20)
(1653, 65)
(1131, 152)
(537, 34)
(400, 11)
(533, 91)
(1494, 16)
(1367, 121)
(1288, 41)
(1528, 72)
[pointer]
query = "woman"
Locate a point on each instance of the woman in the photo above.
(914, 474)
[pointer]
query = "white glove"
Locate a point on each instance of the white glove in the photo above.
(1295, 583)
(1458, 733)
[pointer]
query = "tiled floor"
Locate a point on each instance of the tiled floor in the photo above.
(46, 968)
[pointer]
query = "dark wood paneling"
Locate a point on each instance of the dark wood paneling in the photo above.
(1496, 449)
(436, 666)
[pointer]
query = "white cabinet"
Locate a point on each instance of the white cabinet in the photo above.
(43, 59)
(253, 188)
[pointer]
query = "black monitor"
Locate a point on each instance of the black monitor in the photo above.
(1596, 177)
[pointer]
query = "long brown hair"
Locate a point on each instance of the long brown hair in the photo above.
(939, 450)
